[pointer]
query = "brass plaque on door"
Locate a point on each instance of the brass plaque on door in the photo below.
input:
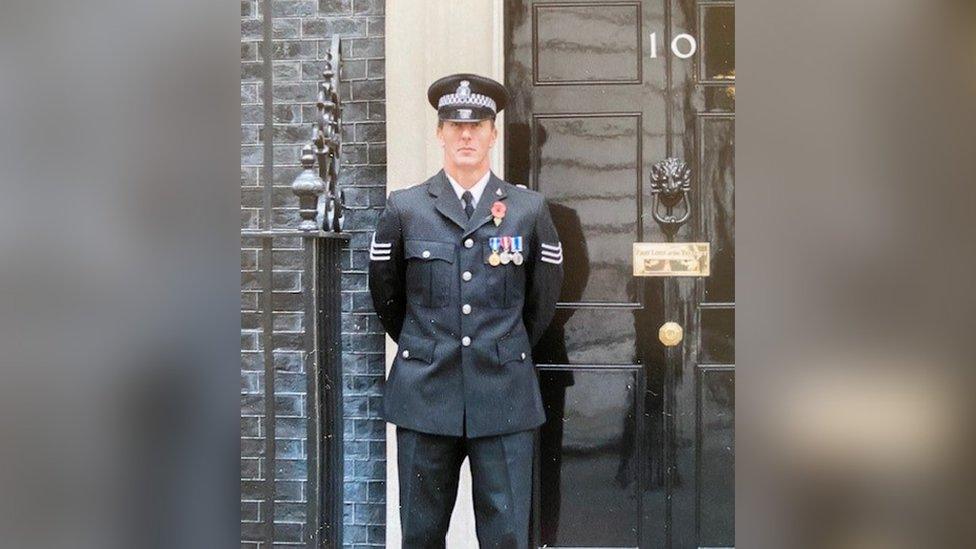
(671, 258)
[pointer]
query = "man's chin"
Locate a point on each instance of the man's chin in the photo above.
(467, 161)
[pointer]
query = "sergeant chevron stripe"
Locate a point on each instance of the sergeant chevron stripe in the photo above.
(379, 251)
(551, 254)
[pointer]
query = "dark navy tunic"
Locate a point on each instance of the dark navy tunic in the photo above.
(464, 329)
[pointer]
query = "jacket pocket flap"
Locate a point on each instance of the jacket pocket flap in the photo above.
(428, 249)
(416, 348)
(514, 347)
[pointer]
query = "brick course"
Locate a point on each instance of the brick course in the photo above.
(302, 31)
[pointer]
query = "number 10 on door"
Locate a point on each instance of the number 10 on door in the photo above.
(683, 45)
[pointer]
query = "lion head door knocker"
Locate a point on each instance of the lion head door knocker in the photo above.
(670, 185)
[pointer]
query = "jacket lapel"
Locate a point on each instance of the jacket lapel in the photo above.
(448, 204)
(494, 191)
(445, 200)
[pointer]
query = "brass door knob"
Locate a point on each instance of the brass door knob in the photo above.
(670, 334)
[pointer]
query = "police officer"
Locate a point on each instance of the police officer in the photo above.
(465, 270)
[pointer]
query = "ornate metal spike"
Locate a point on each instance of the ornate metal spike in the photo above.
(321, 203)
(308, 186)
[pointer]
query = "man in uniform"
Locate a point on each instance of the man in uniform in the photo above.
(465, 270)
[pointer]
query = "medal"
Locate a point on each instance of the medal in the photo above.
(506, 256)
(493, 259)
(517, 250)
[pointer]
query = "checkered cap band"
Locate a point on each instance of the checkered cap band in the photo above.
(475, 99)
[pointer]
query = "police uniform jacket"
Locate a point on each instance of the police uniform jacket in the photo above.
(464, 329)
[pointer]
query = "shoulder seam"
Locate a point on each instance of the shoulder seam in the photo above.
(390, 203)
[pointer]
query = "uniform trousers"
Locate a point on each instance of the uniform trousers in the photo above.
(429, 467)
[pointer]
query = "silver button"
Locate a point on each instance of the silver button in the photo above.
(466, 309)
(468, 243)
(466, 341)
(405, 353)
(523, 356)
(466, 275)
(426, 254)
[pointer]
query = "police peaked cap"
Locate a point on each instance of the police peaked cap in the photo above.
(467, 97)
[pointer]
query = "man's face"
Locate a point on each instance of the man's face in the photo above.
(466, 144)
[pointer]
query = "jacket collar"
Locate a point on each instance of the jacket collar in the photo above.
(448, 204)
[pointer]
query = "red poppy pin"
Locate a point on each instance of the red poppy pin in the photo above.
(498, 211)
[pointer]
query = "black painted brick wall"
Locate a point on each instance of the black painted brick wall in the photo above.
(302, 30)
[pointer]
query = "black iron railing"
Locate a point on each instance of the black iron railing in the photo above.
(321, 211)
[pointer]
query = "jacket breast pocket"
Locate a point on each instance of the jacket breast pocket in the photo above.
(504, 283)
(430, 272)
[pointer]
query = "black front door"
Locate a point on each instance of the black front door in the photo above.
(638, 446)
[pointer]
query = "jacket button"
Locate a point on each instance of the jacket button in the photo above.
(426, 254)
(466, 309)
(466, 341)
(468, 243)
(523, 356)
(466, 275)
(405, 353)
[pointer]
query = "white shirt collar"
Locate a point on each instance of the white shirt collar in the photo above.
(476, 190)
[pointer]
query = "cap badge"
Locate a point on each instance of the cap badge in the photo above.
(464, 90)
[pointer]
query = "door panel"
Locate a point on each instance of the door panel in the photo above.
(716, 173)
(615, 344)
(638, 447)
(598, 188)
(716, 471)
(717, 329)
(576, 43)
(718, 43)
(594, 442)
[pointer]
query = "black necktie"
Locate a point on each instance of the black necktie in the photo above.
(468, 206)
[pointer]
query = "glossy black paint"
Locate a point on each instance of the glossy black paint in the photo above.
(590, 467)
(638, 448)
